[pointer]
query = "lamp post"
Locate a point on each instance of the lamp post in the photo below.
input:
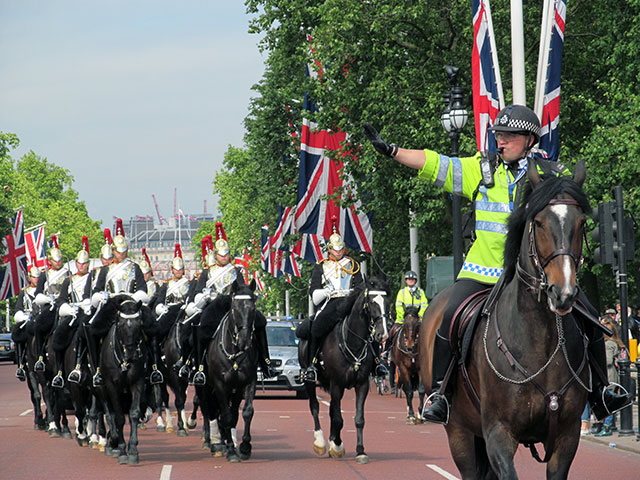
(454, 118)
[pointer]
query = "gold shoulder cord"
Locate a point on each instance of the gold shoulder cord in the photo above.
(354, 269)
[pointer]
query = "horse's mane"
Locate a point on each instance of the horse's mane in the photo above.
(533, 201)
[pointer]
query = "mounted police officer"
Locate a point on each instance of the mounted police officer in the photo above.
(26, 309)
(213, 291)
(336, 282)
(495, 185)
(47, 291)
(122, 276)
(411, 295)
(74, 296)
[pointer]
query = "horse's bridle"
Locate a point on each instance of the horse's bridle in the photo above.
(234, 335)
(538, 283)
(117, 342)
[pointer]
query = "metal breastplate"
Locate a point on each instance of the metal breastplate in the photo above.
(221, 278)
(27, 300)
(121, 277)
(53, 286)
(152, 288)
(335, 277)
(177, 291)
(76, 287)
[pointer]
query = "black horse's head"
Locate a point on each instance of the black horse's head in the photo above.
(129, 323)
(243, 313)
(377, 299)
(547, 231)
(411, 326)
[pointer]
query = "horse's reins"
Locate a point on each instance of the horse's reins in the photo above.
(402, 348)
(124, 365)
(537, 284)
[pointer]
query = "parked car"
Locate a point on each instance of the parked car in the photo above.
(7, 348)
(283, 350)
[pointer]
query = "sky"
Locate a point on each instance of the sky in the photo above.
(132, 97)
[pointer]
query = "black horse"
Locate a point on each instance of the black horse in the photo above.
(527, 369)
(348, 359)
(405, 356)
(232, 362)
(122, 362)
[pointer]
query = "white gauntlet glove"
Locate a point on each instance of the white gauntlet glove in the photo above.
(161, 309)
(86, 306)
(98, 298)
(141, 296)
(42, 299)
(192, 309)
(200, 300)
(67, 310)
(20, 317)
(320, 295)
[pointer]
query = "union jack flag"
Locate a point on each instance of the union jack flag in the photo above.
(487, 85)
(36, 248)
(13, 274)
(550, 117)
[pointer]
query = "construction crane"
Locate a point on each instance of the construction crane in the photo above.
(161, 219)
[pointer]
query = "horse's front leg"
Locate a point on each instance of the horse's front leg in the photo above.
(566, 446)
(408, 393)
(36, 400)
(362, 391)
(501, 448)
(319, 444)
(336, 448)
(247, 417)
(180, 395)
(226, 420)
(134, 419)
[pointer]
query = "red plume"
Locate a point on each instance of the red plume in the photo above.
(119, 227)
(107, 236)
(85, 243)
(146, 257)
(334, 224)
(220, 231)
(177, 251)
(204, 244)
(54, 241)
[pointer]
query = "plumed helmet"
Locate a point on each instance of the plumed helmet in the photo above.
(517, 118)
(178, 262)
(336, 242)
(54, 253)
(221, 245)
(145, 263)
(83, 254)
(34, 271)
(105, 251)
(208, 253)
(411, 275)
(120, 243)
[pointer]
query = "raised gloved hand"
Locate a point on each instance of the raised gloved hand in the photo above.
(192, 309)
(141, 296)
(388, 149)
(20, 317)
(161, 309)
(67, 310)
(98, 298)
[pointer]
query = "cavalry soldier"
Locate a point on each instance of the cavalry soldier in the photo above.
(122, 276)
(410, 295)
(25, 309)
(494, 185)
(173, 291)
(214, 285)
(47, 291)
(147, 271)
(74, 295)
(336, 282)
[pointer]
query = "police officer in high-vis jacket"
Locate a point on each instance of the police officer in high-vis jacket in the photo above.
(411, 295)
(495, 194)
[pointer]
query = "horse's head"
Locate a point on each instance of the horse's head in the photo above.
(411, 326)
(378, 307)
(551, 247)
(243, 312)
(129, 328)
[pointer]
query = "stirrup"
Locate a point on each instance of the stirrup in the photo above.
(432, 419)
(381, 370)
(156, 376)
(20, 374)
(310, 374)
(625, 393)
(39, 366)
(75, 375)
(58, 381)
(184, 371)
(97, 380)
(199, 378)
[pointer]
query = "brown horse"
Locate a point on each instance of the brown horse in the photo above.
(527, 362)
(405, 357)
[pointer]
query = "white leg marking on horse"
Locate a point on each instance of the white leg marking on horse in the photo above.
(52, 425)
(319, 440)
(184, 417)
(102, 441)
(94, 438)
(442, 472)
(169, 417)
(77, 425)
(214, 431)
(159, 421)
(166, 472)
(26, 412)
(234, 437)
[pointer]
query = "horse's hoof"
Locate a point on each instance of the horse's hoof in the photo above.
(336, 451)
(161, 428)
(233, 458)
(106, 450)
(206, 446)
(217, 450)
(133, 459)
(101, 448)
(183, 433)
(362, 459)
(411, 420)
(320, 450)
(54, 433)
(66, 434)
(123, 459)
(115, 453)
(192, 423)
(170, 429)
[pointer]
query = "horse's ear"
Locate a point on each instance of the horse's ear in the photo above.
(138, 305)
(580, 172)
(252, 285)
(532, 172)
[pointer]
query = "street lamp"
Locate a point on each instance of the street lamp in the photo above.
(454, 118)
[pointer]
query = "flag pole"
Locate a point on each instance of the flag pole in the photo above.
(517, 54)
(494, 56)
(543, 56)
(31, 229)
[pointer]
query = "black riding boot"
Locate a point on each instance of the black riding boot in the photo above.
(310, 374)
(380, 367)
(438, 412)
(39, 365)
(156, 375)
(263, 354)
(93, 342)
(20, 373)
(603, 401)
(75, 375)
(199, 378)
(58, 381)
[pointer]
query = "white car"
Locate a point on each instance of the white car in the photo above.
(283, 350)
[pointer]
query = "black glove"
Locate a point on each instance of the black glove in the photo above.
(390, 150)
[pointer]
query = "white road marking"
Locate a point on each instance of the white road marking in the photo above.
(285, 416)
(272, 429)
(166, 472)
(26, 412)
(442, 472)
(324, 402)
